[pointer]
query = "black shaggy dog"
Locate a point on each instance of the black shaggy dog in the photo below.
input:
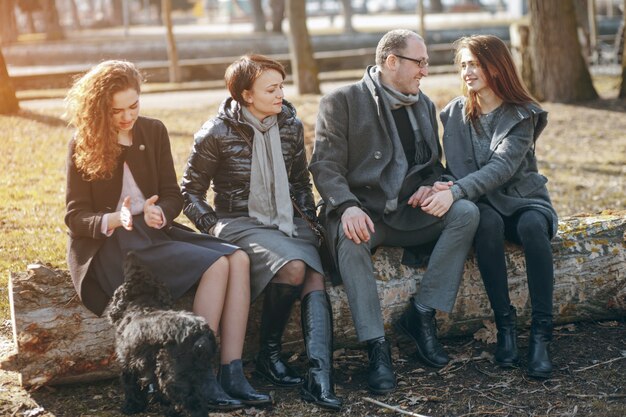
(159, 347)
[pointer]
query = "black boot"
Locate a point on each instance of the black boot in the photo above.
(507, 355)
(234, 382)
(381, 378)
(539, 364)
(216, 397)
(317, 329)
(279, 299)
(421, 327)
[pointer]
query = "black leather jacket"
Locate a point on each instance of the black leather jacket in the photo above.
(222, 155)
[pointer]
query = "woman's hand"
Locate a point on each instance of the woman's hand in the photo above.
(152, 214)
(438, 203)
(442, 186)
(418, 197)
(126, 218)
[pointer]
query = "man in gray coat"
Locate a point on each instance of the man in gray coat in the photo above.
(376, 158)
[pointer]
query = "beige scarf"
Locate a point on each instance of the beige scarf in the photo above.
(269, 201)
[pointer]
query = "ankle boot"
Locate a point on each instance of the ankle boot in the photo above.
(539, 364)
(216, 397)
(317, 329)
(381, 378)
(235, 384)
(506, 348)
(279, 299)
(421, 327)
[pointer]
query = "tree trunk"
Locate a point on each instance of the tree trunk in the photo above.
(117, 13)
(172, 52)
(258, 17)
(8, 25)
(303, 66)
(59, 341)
(559, 70)
(8, 100)
(75, 15)
(622, 48)
(54, 31)
(436, 6)
(278, 14)
(347, 15)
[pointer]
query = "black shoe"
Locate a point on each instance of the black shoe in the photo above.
(235, 384)
(317, 329)
(539, 364)
(507, 355)
(279, 299)
(421, 327)
(216, 398)
(381, 378)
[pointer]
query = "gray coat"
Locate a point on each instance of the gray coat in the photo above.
(352, 148)
(509, 180)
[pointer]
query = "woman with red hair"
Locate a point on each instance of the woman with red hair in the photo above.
(489, 142)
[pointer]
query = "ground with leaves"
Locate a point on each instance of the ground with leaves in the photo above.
(582, 152)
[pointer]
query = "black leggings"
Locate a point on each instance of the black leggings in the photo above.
(530, 228)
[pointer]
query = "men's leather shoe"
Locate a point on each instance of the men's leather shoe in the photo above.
(381, 378)
(421, 327)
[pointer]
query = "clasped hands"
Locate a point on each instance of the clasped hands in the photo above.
(152, 214)
(434, 200)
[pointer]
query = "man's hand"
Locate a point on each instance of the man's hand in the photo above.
(438, 203)
(418, 197)
(152, 214)
(357, 225)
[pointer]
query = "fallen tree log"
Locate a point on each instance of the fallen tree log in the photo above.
(58, 341)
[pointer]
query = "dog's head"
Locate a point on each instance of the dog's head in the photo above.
(140, 289)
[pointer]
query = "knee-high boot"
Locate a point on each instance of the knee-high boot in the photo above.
(279, 299)
(539, 364)
(506, 349)
(317, 328)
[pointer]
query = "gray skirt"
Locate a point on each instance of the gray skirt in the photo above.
(269, 249)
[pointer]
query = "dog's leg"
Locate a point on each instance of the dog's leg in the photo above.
(136, 398)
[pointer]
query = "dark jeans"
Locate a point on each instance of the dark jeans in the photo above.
(529, 228)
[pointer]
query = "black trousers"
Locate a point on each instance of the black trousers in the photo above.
(529, 228)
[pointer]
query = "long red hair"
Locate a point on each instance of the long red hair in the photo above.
(500, 72)
(89, 109)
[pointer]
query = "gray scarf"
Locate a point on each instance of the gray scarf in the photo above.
(269, 200)
(393, 175)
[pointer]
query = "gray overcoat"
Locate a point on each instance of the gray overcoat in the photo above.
(509, 180)
(352, 148)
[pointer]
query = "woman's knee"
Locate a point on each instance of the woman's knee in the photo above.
(532, 226)
(239, 258)
(292, 273)
(490, 223)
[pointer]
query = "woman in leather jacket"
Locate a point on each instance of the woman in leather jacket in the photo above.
(489, 142)
(252, 155)
(122, 196)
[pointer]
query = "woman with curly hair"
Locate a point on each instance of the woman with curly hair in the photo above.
(122, 195)
(489, 141)
(252, 155)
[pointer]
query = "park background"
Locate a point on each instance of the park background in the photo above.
(184, 52)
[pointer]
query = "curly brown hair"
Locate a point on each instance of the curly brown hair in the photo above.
(88, 107)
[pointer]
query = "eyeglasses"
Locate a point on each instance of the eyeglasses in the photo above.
(422, 62)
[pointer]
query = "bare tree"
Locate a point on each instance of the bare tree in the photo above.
(258, 17)
(54, 31)
(278, 14)
(8, 100)
(8, 25)
(75, 14)
(436, 6)
(172, 52)
(28, 7)
(560, 73)
(303, 65)
(622, 90)
(348, 12)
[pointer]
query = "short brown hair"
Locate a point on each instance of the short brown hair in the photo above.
(241, 74)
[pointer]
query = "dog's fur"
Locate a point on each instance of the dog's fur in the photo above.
(159, 347)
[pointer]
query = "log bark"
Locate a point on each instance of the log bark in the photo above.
(58, 341)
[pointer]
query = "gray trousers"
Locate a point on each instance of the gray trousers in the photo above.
(454, 234)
